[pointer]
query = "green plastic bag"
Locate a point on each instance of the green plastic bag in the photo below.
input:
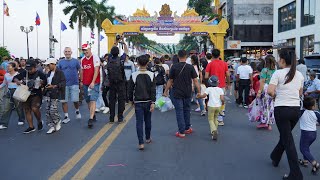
(160, 102)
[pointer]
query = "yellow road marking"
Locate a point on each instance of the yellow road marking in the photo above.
(92, 161)
(64, 170)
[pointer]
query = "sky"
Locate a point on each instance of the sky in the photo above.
(23, 13)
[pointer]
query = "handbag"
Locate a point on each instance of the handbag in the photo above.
(22, 93)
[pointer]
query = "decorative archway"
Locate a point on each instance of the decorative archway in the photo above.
(167, 24)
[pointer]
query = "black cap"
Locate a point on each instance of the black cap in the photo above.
(30, 64)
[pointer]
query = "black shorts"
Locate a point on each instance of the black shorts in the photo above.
(33, 101)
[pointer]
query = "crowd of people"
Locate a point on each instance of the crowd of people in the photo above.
(274, 92)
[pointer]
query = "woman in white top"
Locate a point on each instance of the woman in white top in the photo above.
(285, 87)
(8, 103)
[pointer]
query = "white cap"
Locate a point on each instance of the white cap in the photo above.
(50, 61)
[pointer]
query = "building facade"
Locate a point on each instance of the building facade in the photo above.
(251, 26)
(296, 26)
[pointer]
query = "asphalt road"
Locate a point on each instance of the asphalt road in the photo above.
(110, 151)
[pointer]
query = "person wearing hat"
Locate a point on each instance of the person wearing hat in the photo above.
(54, 91)
(90, 65)
(35, 80)
(216, 100)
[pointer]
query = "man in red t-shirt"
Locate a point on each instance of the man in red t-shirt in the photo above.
(90, 65)
(219, 68)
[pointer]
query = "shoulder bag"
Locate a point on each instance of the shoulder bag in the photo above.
(22, 93)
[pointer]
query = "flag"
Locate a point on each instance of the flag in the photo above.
(101, 37)
(37, 20)
(92, 35)
(5, 9)
(63, 26)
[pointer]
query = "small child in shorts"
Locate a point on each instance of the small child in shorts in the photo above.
(216, 100)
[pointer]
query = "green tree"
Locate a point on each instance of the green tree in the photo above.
(3, 52)
(82, 12)
(203, 7)
(102, 12)
(189, 43)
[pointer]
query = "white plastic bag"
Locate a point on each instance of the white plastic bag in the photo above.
(22, 93)
(167, 106)
(254, 111)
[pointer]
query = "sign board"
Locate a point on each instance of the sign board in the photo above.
(165, 33)
(130, 33)
(199, 34)
(234, 45)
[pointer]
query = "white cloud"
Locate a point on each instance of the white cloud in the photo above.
(23, 12)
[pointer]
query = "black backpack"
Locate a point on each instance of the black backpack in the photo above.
(115, 69)
(160, 75)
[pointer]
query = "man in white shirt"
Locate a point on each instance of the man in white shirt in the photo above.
(313, 84)
(244, 78)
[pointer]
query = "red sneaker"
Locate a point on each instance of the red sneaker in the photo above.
(261, 125)
(189, 131)
(180, 135)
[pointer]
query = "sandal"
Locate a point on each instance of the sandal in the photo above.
(141, 147)
(303, 163)
(315, 168)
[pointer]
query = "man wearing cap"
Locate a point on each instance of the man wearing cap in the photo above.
(71, 69)
(35, 80)
(90, 65)
(54, 90)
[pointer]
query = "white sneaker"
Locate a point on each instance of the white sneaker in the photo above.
(78, 115)
(51, 130)
(106, 110)
(58, 126)
(197, 110)
(66, 120)
(20, 123)
(3, 127)
(102, 108)
(97, 110)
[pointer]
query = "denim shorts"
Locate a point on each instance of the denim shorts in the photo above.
(94, 93)
(72, 93)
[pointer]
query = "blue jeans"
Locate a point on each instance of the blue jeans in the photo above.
(182, 107)
(307, 138)
(159, 91)
(143, 113)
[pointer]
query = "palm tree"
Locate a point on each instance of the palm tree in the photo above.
(102, 12)
(82, 12)
(50, 14)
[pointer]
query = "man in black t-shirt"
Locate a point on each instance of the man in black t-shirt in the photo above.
(181, 77)
(36, 80)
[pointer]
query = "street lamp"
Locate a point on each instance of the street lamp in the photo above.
(27, 30)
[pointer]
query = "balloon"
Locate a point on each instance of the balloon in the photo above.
(115, 22)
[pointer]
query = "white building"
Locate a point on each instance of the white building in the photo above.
(297, 26)
(251, 26)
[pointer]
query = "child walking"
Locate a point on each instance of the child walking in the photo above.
(216, 100)
(142, 92)
(308, 127)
